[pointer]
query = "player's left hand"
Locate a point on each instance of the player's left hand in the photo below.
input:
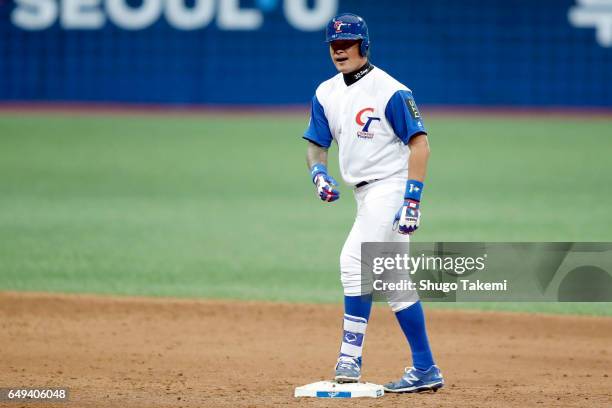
(408, 217)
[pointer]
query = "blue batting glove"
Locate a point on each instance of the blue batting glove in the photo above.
(408, 217)
(325, 183)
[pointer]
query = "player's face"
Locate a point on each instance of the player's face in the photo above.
(345, 55)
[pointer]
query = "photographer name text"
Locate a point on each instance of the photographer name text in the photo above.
(446, 287)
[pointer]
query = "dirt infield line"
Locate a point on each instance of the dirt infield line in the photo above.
(141, 352)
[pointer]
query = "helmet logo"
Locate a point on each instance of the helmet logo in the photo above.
(338, 26)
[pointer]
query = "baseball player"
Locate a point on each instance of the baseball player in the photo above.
(383, 153)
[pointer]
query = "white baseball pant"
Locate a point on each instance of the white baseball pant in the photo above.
(377, 204)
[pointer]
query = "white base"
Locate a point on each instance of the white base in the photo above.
(332, 389)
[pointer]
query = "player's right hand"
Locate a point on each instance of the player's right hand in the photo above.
(325, 187)
(325, 183)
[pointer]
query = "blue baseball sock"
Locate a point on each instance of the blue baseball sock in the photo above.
(412, 322)
(359, 306)
(356, 314)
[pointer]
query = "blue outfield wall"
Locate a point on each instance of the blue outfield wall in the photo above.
(458, 52)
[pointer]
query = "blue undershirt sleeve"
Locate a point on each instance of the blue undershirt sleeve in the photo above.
(404, 116)
(318, 129)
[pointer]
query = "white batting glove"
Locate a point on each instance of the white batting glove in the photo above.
(325, 183)
(408, 217)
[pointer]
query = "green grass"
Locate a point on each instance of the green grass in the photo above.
(223, 207)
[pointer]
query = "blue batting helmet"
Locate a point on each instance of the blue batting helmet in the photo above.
(348, 26)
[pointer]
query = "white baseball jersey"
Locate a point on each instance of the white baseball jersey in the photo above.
(371, 120)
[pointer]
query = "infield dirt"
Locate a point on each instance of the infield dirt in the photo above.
(141, 352)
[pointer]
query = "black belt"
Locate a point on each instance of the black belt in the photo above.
(364, 183)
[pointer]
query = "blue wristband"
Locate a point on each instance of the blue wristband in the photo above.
(317, 168)
(414, 188)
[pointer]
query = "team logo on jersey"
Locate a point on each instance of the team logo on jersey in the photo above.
(365, 133)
